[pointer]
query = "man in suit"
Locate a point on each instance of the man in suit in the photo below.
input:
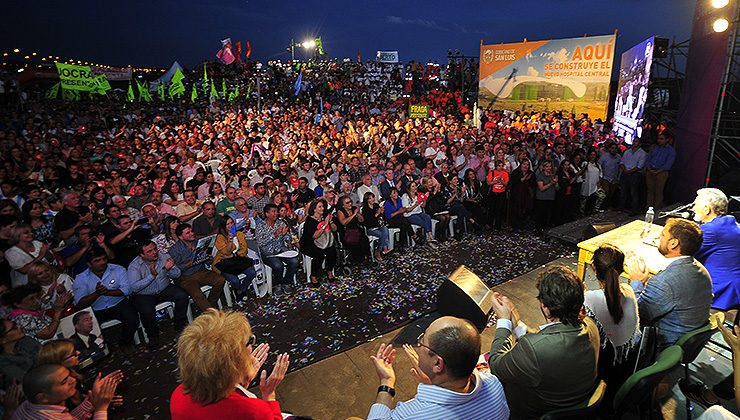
(676, 300)
(554, 367)
(385, 186)
(84, 340)
(720, 249)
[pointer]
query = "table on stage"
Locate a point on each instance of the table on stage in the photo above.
(627, 238)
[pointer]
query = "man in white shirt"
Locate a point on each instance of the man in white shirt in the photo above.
(450, 386)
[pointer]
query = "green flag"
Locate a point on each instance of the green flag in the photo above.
(223, 88)
(102, 86)
(214, 92)
(53, 91)
(160, 91)
(319, 46)
(234, 94)
(205, 73)
(73, 77)
(194, 94)
(177, 88)
(143, 92)
(70, 95)
(249, 90)
(130, 95)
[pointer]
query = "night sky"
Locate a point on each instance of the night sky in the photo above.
(158, 32)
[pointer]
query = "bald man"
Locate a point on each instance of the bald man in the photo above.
(450, 387)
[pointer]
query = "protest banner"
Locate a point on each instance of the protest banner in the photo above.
(569, 75)
(418, 111)
(75, 77)
(388, 56)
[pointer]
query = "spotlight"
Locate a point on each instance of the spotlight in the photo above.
(718, 4)
(308, 44)
(720, 25)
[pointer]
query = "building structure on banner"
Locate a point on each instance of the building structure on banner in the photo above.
(570, 75)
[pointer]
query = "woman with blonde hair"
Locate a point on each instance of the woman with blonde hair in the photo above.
(217, 361)
(51, 281)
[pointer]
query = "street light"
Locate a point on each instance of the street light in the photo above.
(308, 44)
(718, 4)
(720, 25)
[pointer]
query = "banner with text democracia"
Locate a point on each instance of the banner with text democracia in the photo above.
(76, 77)
(388, 56)
(570, 75)
(418, 111)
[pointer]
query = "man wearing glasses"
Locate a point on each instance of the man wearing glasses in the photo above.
(450, 386)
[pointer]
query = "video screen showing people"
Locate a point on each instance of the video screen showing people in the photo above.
(632, 91)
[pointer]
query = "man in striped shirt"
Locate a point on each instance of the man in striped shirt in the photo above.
(450, 386)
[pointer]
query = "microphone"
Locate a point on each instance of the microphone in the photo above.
(678, 211)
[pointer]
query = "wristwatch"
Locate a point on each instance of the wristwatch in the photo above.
(386, 388)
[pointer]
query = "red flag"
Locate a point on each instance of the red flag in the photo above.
(359, 60)
(238, 51)
(249, 49)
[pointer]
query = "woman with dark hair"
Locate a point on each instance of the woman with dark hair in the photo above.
(231, 257)
(27, 312)
(167, 238)
(172, 193)
(395, 216)
(99, 198)
(317, 241)
(523, 185)
(216, 192)
(472, 194)
(10, 208)
(17, 352)
(498, 180)
(42, 226)
(374, 222)
(544, 203)
(614, 309)
(353, 237)
(564, 195)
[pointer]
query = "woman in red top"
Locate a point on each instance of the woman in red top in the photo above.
(498, 179)
(217, 361)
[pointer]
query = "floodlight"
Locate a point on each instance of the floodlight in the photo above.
(720, 25)
(718, 4)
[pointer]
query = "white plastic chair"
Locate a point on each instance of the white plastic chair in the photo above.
(392, 232)
(113, 322)
(206, 291)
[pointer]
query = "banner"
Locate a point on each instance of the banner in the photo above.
(115, 74)
(632, 90)
(74, 77)
(570, 75)
(418, 111)
(387, 56)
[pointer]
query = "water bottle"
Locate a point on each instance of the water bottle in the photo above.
(649, 216)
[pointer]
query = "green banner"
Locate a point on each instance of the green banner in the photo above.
(76, 77)
(418, 111)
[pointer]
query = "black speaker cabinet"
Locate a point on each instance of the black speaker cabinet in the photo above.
(464, 295)
(597, 229)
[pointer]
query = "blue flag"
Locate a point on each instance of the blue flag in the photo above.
(317, 119)
(297, 85)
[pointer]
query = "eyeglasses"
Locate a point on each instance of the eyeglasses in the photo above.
(252, 341)
(73, 354)
(419, 343)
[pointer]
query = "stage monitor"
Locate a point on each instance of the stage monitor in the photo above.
(632, 90)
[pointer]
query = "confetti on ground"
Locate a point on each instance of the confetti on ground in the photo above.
(313, 324)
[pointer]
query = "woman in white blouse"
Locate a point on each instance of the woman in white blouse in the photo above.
(614, 309)
(24, 251)
(414, 203)
(590, 186)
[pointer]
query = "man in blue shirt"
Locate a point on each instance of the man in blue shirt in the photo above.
(630, 181)
(609, 163)
(149, 276)
(659, 162)
(104, 287)
(194, 276)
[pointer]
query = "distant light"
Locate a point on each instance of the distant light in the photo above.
(5, 54)
(33, 54)
(16, 50)
(720, 25)
(20, 70)
(309, 44)
(718, 4)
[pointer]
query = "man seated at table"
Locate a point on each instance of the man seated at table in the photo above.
(450, 386)
(104, 287)
(195, 275)
(720, 248)
(555, 367)
(677, 299)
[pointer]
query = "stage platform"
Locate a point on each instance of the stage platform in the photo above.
(344, 385)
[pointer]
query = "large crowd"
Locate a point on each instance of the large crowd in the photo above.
(110, 209)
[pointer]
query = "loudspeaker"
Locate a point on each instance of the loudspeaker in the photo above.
(596, 229)
(660, 49)
(464, 295)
